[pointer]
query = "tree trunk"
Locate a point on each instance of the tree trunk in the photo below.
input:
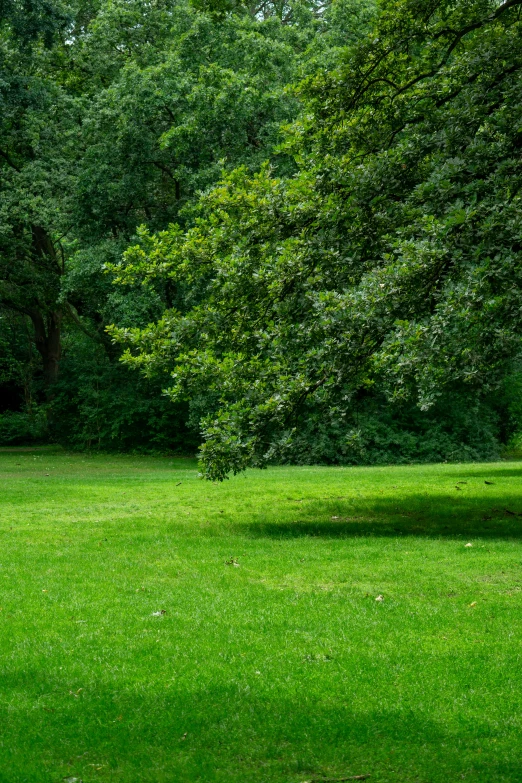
(42, 306)
(47, 333)
(47, 327)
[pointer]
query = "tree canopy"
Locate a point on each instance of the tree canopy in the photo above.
(115, 113)
(391, 256)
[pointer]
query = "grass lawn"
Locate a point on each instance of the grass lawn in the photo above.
(156, 628)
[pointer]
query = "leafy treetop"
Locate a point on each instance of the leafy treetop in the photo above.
(393, 253)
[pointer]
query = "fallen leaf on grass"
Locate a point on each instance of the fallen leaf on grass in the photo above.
(473, 603)
(232, 562)
(72, 780)
(158, 614)
(318, 658)
(468, 544)
(178, 484)
(379, 598)
(489, 482)
(184, 737)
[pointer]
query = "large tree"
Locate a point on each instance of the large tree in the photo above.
(117, 113)
(209, 97)
(54, 62)
(394, 253)
(34, 171)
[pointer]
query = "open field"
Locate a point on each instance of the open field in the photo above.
(156, 628)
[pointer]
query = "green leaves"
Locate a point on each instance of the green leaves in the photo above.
(392, 255)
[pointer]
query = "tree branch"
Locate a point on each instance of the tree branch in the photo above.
(7, 158)
(76, 318)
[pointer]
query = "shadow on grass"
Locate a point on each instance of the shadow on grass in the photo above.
(45, 449)
(217, 734)
(498, 516)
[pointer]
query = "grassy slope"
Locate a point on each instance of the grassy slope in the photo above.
(283, 669)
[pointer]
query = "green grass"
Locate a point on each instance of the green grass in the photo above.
(281, 669)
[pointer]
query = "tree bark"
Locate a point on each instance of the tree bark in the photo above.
(41, 303)
(47, 326)
(47, 337)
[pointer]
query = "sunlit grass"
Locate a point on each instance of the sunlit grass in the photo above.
(159, 628)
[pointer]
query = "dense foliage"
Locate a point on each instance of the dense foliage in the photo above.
(321, 273)
(115, 113)
(390, 261)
